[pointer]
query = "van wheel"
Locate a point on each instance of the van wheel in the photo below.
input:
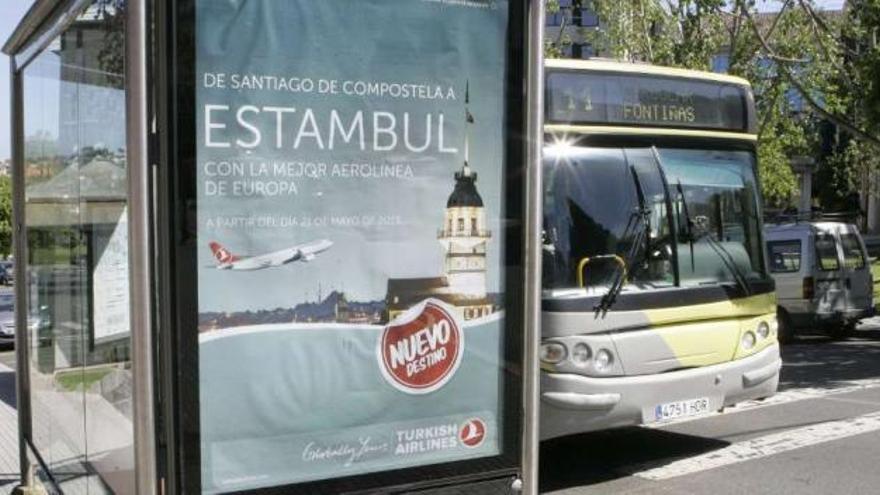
(785, 334)
(842, 331)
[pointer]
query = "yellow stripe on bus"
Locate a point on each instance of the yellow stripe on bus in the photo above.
(730, 309)
(707, 334)
(644, 131)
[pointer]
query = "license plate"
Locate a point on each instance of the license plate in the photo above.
(681, 409)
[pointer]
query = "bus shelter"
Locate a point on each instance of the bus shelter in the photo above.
(285, 246)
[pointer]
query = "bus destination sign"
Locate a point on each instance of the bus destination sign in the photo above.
(643, 100)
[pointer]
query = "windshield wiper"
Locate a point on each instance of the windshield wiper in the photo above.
(639, 228)
(688, 222)
(728, 260)
(716, 246)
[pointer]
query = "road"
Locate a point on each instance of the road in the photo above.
(820, 434)
(7, 357)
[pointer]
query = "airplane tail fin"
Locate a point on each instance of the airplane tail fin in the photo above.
(221, 254)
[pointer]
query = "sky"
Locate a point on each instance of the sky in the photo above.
(774, 5)
(11, 12)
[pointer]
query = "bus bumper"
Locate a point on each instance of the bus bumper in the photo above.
(576, 404)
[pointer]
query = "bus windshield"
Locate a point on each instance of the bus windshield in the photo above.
(659, 217)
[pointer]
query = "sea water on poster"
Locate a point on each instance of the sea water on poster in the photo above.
(329, 134)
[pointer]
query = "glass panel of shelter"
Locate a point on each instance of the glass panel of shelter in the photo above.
(52, 230)
(77, 277)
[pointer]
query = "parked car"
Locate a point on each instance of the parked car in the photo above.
(823, 278)
(7, 320)
(9, 272)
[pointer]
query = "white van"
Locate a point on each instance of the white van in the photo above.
(823, 279)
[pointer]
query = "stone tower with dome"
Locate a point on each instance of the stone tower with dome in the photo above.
(464, 236)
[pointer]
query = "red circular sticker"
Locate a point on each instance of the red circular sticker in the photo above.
(420, 350)
(472, 433)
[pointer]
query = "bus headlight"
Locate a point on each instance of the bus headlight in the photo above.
(581, 354)
(604, 361)
(748, 341)
(552, 352)
(763, 330)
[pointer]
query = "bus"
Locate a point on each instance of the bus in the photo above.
(657, 304)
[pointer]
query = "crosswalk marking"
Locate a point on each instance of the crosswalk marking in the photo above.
(767, 445)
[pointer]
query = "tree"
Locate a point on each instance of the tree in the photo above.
(685, 33)
(553, 48)
(111, 55)
(864, 34)
(833, 67)
(5, 215)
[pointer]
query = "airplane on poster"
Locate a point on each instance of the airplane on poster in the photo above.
(302, 252)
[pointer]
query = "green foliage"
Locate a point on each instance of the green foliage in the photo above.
(838, 177)
(81, 380)
(845, 173)
(686, 33)
(553, 48)
(862, 34)
(5, 215)
(111, 55)
(778, 182)
(875, 276)
(853, 89)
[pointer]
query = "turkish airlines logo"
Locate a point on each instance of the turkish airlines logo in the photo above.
(421, 350)
(221, 254)
(472, 433)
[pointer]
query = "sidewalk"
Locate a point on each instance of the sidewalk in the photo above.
(8, 431)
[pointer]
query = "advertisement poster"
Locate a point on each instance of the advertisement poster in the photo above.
(350, 161)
